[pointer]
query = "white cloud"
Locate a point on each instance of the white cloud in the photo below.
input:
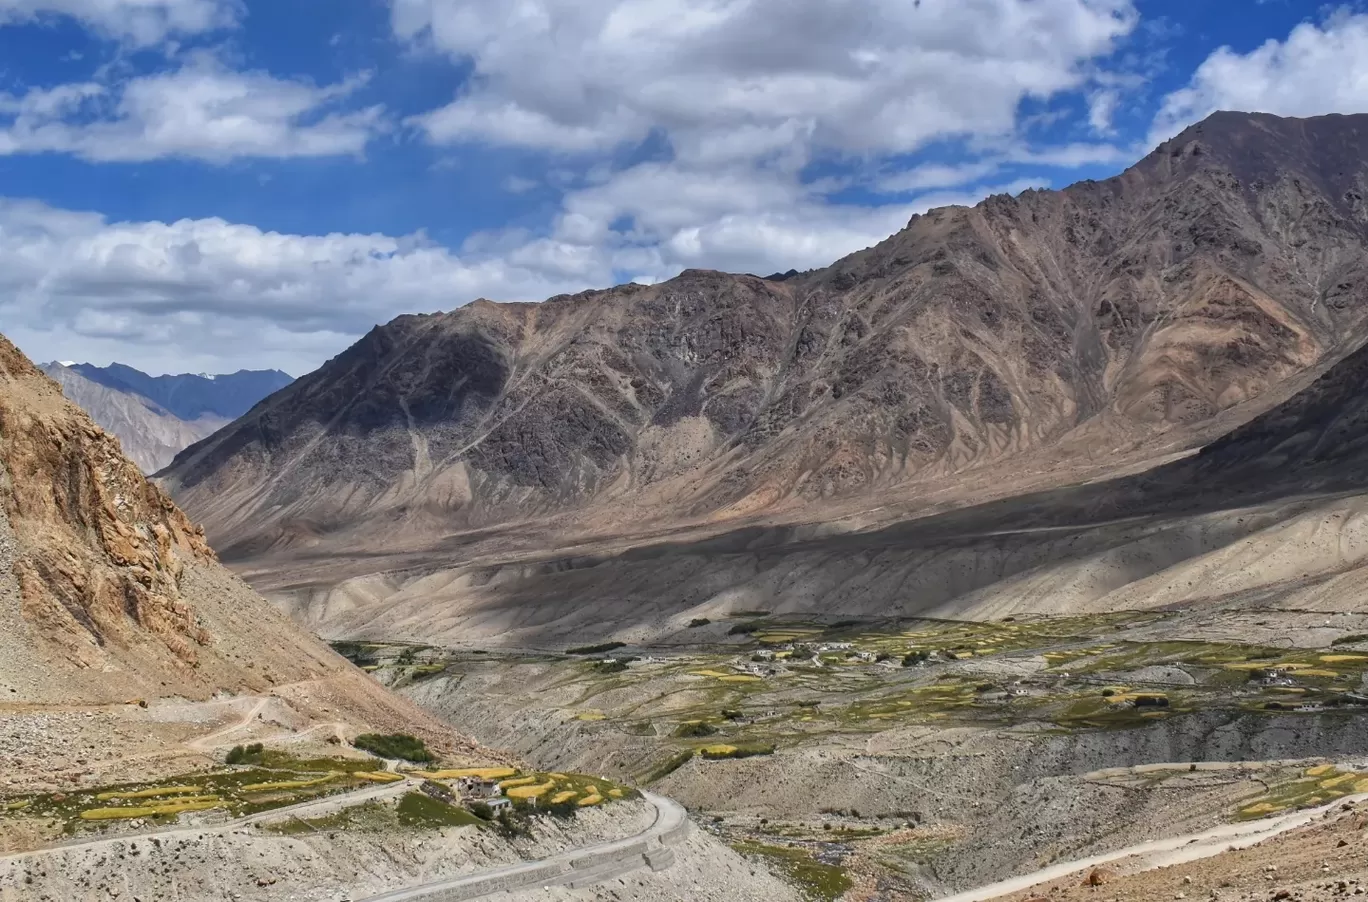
(1318, 69)
(209, 295)
(137, 22)
(73, 285)
(1101, 108)
(201, 111)
(734, 77)
(936, 175)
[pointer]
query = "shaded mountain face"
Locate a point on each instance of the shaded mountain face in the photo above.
(149, 434)
(191, 397)
(1138, 311)
(1271, 518)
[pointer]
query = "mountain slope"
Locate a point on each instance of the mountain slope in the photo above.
(108, 593)
(1137, 315)
(1271, 518)
(149, 434)
(191, 397)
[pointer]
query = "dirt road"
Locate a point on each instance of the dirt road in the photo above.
(1162, 852)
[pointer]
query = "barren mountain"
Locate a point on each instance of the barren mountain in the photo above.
(1091, 325)
(149, 434)
(191, 396)
(108, 594)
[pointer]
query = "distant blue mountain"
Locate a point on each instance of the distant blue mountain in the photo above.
(189, 396)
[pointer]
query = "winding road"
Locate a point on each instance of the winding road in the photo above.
(576, 867)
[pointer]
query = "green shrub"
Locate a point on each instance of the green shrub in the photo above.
(596, 649)
(695, 728)
(610, 666)
(394, 745)
(249, 754)
(1351, 639)
(672, 764)
(744, 629)
(698, 621)
(917, 657)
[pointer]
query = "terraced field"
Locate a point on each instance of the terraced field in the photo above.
(279, 780)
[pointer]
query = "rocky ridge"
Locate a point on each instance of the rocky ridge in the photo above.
(1047, 332)
(148, 433)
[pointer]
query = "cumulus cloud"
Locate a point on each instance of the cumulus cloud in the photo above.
(1319, 69)
(209, 295)
(73, 283)
(137, 22)
(201, 110)
(862, 76)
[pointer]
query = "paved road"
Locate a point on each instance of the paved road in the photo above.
(1162, 853)
(669, 816)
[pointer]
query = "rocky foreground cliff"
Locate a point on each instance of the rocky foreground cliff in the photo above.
(1140, 314)
(110, 595)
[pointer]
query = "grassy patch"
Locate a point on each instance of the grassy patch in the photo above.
(417, 810)
(595, 649)
(670, 765)
(723, 752)
(1315, 786)
(824, 882)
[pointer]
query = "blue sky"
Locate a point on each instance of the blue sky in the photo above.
(191, 185)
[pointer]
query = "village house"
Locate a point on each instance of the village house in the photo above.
(475, 789)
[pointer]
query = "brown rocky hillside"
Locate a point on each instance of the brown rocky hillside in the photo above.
(108, 594)
(1141, 314)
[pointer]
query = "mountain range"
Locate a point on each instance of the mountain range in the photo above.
(1027, 341)
(155, 417)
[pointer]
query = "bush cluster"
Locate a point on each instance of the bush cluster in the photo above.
(394, 745)
(246, 754)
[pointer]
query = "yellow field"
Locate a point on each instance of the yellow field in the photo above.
(377, 776)
(531, 792)
(591, 716)
(170, 808)
(719, 750)
(563, 796)
(479, 773)
(521, 781)
(590, 800)
(150, 793)
(286, 784)
(1261, 808)
(1319, 770)
(1340, 659)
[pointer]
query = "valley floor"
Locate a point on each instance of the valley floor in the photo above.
(920, 759)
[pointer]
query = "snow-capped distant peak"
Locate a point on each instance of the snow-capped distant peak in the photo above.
(210, 376)
(67, 362)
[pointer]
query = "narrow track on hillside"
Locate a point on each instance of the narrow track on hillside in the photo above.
(1162, 853)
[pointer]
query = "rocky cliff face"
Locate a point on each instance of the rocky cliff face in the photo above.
(1135, 312)
(107, 591)
(96, 538)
